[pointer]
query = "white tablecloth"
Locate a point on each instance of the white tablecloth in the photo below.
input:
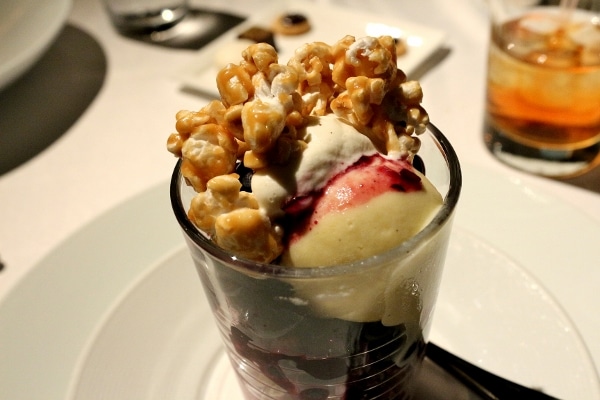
(116, 149)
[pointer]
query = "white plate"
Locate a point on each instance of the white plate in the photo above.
(58, 317)
(329, 23)
(27, 28)
(159, 341)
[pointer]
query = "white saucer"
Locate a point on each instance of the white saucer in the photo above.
(113, 277)
(329, 23)
(28, 28)
(159, 341)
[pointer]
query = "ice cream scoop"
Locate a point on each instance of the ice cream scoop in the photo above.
(371, 207)
(342, 200)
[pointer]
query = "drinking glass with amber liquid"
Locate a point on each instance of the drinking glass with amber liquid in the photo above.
(543, 86)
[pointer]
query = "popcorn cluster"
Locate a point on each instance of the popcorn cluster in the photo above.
(260, 121)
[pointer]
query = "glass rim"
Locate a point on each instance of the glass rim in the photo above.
(281, 271)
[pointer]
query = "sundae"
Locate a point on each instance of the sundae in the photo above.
(306, 181)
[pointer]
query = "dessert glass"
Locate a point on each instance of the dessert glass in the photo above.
(347, 331)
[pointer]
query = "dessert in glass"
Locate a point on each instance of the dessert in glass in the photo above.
(316, 200)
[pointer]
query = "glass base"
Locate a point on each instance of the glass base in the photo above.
(220, 382)
(554, 163)
(196, 29)
(148, 22)
(432, 383)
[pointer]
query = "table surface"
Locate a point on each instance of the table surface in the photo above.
(115, 148)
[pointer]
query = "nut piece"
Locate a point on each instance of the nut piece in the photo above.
(221, 196)
(248, 233)
(232, 219)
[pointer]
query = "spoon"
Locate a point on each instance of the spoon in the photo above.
(485, 384)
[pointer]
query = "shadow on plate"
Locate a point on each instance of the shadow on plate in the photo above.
(45, 102)
(430, 63)
(195, 31)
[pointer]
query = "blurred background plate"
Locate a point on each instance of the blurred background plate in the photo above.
(27, 28)
(422, 41)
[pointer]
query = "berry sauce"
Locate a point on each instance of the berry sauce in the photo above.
(369, 177)
(377, 360)
(283, 346)
(309, 357)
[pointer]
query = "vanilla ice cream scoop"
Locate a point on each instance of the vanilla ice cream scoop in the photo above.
(373, 206)
(342, 200)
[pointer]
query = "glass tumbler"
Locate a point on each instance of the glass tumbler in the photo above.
(342, 332)
(543, 85)
(145, 16)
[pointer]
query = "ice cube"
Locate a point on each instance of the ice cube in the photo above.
(590, 55)
(540, 24)
(587, 35)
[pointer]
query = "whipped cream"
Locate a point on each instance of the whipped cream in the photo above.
(333, 145)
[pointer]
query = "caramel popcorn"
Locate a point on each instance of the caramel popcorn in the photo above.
(260, 120)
